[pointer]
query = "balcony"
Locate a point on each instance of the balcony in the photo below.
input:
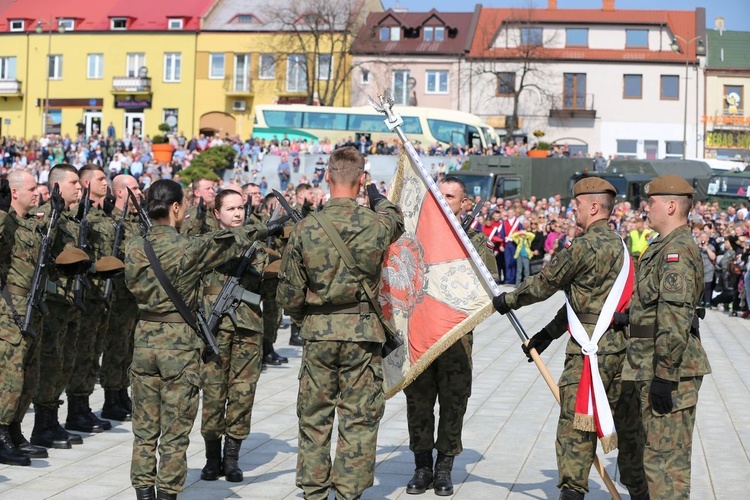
(573, 106)
(131, 85)
(10, 88)
(238, 86)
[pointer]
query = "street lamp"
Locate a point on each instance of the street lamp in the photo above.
(700, 50)
(40, 29)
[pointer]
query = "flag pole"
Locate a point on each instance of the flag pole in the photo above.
(394, 122)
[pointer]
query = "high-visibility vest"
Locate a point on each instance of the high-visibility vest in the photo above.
(639, 242)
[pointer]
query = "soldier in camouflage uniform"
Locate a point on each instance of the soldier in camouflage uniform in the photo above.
(586, 271)
(665, 356)
(229, 382)
(341, 359)
(196, 221)
(118, 344)
(165, 373)
(447, 378)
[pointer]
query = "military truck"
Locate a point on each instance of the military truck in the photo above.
(729, 188)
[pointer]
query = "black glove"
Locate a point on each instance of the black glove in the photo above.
(200, 213)
(307, 207)
(621, 319)
(374, 195)
(275, 227)
(500, 305)
(109, 202)
(81, 209)
(661, 395)
(5, 196)
(540, 342)
(57, 202)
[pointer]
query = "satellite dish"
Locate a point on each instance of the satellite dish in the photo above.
(143, 72)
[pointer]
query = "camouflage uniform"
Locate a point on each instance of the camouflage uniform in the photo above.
(341, 360)
(165, 373)
(669, 286)
(229, 385)
(448, 379)
(586, 270)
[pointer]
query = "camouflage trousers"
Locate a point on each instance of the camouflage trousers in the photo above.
(165, 384)
(447, 380)
(576, 449)
(347, 378)
(118, 341)
(89, 347)
(669, 440)
(19, 368)
(58, 352)
(271, 311)
(229, 383)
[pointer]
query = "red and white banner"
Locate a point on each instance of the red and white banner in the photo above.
(430, 288)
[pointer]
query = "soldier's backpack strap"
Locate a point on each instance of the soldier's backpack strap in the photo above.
(393, 340)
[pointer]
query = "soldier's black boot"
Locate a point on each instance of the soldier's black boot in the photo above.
(295, 339)
(58, 430)
(268, 358)
(9, 455)
(232, 470)
(106, 424)
(112, 408)
(163, 495)
(570, 494)
(44, 433)
(147, 493)
(125, 400)
(276, 356)
(639, 496)
(78, 416)
(422, 479)
(23, 445)
(443, 483)
(213, 468)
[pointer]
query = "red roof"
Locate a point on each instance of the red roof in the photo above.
(143, 15)
(681, 23)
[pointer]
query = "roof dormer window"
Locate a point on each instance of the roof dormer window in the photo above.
(434, 33)
(17, 25)
(118, 23)
(390, 33)
(175, 23)
(245, 19)
(66, 23)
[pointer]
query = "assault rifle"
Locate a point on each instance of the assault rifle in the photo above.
(81, 282)
(248, 209)
(291, 212)
(35, 299)
(142, 214)
(119, 236)
(466, 224)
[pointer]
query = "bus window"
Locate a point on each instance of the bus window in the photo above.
(411, 125)
(447, 131)
(365, 123)
(473, 138)
(489, 139)
(325, 121)
(283, 118)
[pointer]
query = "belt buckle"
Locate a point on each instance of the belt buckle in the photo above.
(363, 310)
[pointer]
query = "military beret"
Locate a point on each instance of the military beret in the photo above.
(669, 184)
(287, 232)
(273, 254)
(109, 263)
(71, 256)
(272, 269)
(593, 185)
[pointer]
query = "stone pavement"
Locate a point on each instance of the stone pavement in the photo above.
(508, 437)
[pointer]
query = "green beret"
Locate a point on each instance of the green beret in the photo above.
(669, 184)
(593, 185)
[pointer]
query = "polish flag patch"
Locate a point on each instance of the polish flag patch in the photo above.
(568, 243)
(673, 257)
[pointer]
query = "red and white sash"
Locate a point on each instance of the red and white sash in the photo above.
(593, 413)
(513, 228)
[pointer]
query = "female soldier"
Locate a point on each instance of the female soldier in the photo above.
(166, 360)
(229, 383)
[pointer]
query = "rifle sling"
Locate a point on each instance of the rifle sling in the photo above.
(8, 300)
(172, 292)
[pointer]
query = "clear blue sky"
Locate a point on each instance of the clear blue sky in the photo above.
(736, 13)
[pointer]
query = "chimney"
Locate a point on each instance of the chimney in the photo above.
(552, 4)
(608, 4)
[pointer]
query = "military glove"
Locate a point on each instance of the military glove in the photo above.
(81, 209)
(276, 227)
(57, 202)
(500, 305)
(307, 207)
(201, 211)
(540, 342)
(621, 319)
(374, 195)
(5, 195)
(661, 396)
(108, 205)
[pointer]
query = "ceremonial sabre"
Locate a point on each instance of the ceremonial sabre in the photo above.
(394, 122)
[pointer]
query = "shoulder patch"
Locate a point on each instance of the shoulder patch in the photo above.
(489, 245)
(40, 214)
(187, 216)
(568, 243)
(673, 281)
(673, 257)
(554, 262)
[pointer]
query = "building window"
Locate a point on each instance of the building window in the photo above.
(506, 83)
(245, 19)
(384, 34)
(7, 68)
(95, 67)
(118, 23)
(428, 33)
(633, 86)
(54, 67)
(68, 24)
(17, 25)
(175, 24)
(267, 67)
(437, 82)
(627, 148)
(670, 87)
(364, 76)
(439, 33)
(170, 117)
(390, 33)
(241, 72)
(577, 37)
(135, 61)
(172, 67)
(401, 87)
(674, 149)
(733, 97)
(636, 39)
(216, 66)
(531, 36)
(296, 73)
(574, 91)
(325, 66)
